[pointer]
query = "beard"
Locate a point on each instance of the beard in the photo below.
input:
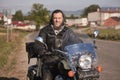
(58, 27)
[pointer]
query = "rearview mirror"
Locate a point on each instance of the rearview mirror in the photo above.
(96, 32)
(39, 40)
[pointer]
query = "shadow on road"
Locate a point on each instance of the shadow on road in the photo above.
(5, 78)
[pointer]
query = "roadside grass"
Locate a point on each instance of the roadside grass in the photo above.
(110, 34)
(106, 34)
(6, 48)
(2, 30)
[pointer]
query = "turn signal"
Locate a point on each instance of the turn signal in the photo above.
(99, 68)
(71, 73)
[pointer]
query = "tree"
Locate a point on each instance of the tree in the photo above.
(18, 16)
(39, 14)
(73, 17)
(1, 22)
(91, 8)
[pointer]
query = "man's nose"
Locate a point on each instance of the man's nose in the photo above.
(57, 19)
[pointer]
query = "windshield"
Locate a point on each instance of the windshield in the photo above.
(81, 48)
(83, 36)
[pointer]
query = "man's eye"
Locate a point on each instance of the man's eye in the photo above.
(55, 18)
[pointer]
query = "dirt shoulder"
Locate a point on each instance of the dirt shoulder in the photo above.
(18, 63)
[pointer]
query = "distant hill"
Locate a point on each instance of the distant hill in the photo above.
(75, 13)
(69, 13)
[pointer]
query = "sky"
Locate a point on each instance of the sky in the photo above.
(68, 5)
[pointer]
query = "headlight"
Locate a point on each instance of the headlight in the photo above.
(85, 61)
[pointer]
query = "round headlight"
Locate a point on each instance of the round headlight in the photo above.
(85, 61)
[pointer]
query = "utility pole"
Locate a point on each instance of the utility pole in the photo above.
(7, 16)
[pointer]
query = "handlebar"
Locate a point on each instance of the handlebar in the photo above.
(56, 52)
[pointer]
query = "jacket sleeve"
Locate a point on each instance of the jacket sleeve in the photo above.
(43, 34)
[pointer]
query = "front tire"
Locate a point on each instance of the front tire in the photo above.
(47, 75)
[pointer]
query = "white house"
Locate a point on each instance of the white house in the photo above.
(98, 17)
(70, 22)
(79, 22)
(84, 21)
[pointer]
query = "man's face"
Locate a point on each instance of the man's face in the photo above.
(57, 20)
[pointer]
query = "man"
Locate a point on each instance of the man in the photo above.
(56, 35)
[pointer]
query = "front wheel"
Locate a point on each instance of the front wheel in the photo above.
(47, 75)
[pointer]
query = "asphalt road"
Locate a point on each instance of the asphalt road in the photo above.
(109, 59)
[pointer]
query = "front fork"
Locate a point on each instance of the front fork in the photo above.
(39, 63)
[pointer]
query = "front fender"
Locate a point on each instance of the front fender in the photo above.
(65, 64)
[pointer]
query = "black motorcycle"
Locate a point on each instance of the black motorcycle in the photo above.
(81, 60)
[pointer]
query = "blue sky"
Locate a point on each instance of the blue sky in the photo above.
(69, 5)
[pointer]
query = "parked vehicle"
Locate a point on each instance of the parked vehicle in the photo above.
(80, 57)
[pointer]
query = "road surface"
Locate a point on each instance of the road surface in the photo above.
(109, 59)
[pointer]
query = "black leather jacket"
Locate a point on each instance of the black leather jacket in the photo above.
(59, 41)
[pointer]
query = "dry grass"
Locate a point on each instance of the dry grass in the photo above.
(6, 48)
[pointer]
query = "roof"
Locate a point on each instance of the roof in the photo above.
(112, 21)
(18, 23)
(116, 18)
(110, 9)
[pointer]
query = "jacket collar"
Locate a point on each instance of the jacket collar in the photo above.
(57, 31)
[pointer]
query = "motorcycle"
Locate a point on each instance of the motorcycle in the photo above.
(81, 60)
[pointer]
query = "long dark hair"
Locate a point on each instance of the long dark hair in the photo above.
(57, 11)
